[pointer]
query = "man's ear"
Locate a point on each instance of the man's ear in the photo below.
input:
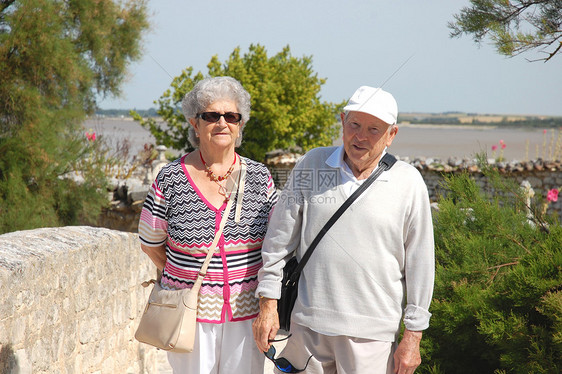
(392, 133)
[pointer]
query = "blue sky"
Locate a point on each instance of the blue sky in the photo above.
(352, 43)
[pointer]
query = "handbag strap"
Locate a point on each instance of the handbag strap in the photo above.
(240, 197)
(385, 163)
(211, 251)
(237, 192)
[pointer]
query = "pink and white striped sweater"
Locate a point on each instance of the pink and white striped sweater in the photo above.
(175, 213)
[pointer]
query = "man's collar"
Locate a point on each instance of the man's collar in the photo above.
(336, 160)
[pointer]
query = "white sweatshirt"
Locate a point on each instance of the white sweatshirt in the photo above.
(372, 269)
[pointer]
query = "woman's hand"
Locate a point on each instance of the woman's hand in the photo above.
(266, 324)
(156, 254)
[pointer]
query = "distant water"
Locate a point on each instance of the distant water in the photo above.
(429, 141)
(464, 142)
(117, 130)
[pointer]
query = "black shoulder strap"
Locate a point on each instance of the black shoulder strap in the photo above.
(385, 163)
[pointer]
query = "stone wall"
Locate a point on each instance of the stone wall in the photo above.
(541, 181)
(71, 300)
(541, 175)
(128, 197)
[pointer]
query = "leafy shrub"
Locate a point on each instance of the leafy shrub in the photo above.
(57, 58)
(287, 111)
(497, 304)
(35, 187)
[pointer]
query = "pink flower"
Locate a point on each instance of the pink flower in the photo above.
(494, 147)
(544, 131)
(552, 195)
(504, 145)
(501, 141)
(91, 137)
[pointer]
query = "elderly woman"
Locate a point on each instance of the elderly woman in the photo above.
(181, 214)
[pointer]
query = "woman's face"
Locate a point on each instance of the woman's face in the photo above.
(219, 134)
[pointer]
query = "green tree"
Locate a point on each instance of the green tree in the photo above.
(514, 26)
(56, 58)
(286, 108)
(497, 304)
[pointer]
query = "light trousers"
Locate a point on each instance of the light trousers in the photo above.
(337, 354)
(220, 349)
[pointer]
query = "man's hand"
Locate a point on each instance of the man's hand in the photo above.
(266, 324)
(407, 356)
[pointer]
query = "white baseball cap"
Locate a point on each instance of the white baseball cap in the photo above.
(374, 101)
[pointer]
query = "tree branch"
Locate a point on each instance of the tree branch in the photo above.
(502, 21)
(503, 265)
(554, 52)
(498, 267)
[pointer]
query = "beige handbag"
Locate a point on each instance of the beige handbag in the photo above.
(169, 318)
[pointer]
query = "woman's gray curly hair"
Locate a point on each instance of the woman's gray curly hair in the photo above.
(209, 90)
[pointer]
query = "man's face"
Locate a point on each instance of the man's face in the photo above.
(365, 138)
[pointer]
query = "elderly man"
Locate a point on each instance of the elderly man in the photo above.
(372, 270)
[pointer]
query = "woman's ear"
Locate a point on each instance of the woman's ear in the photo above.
(195, 124)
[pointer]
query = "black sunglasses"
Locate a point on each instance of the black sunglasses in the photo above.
(229, 117)
(282, 363)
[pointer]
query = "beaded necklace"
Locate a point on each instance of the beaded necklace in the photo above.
(212, 175)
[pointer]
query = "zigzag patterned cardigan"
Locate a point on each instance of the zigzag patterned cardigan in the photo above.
(177, 214)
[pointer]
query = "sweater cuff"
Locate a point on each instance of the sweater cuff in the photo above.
(269, 289)
(416, 318)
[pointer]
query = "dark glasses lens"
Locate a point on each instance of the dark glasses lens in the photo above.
(229, 117)
(282, 363)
